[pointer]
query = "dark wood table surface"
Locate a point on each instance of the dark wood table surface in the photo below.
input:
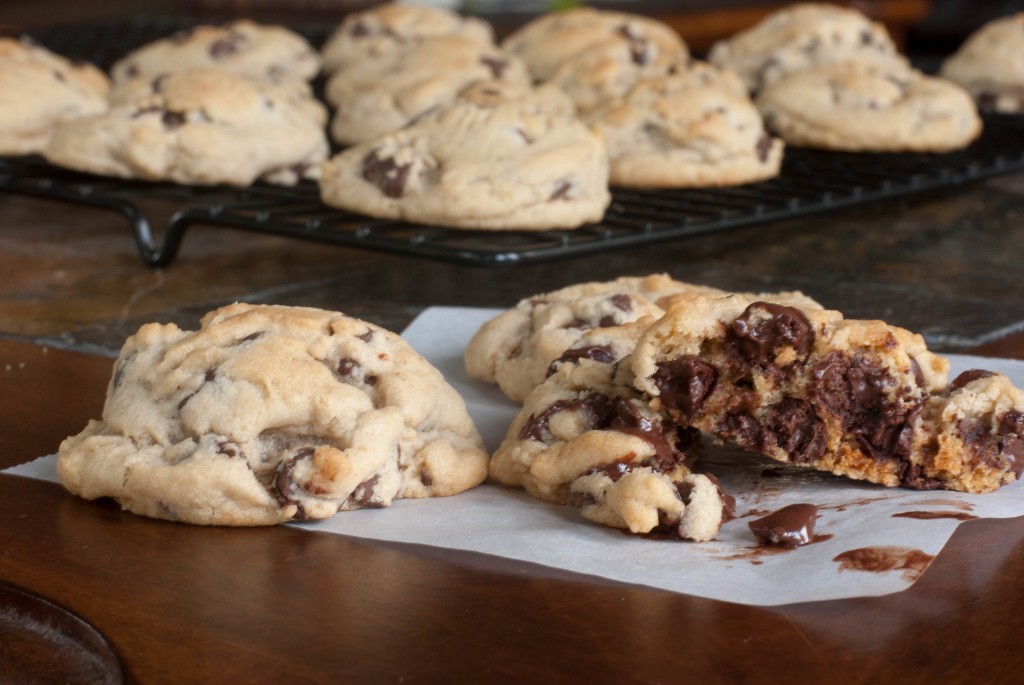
(181, 604)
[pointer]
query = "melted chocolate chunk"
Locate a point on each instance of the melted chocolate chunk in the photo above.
(364, 497)
(622, 302)
(386, 174)
(1012, 447)
(758, 339)
(790, 526)
(348, 367)
(743, 430)
(728, 501)
(915, 369)
(797, 430)
(284, 484)
(967, 377)
(855, 391)
(1011, 422)
(635, 418)
(913, 477)
(597, 408)
(172, 120)
(599, 353)
(684, 384)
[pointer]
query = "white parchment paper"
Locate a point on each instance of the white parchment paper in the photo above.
(733, 567)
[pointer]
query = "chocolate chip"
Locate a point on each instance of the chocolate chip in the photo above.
(59, 76)
(790, 526)
(1011, 422)
(348, 367)
(579, 500)
(622, 302)
(359, 30)
(497, 66)
(757, 339)
(172, 120)
(913, 477)
(222, 47)
(987, 99)
(1012, 447)
(684, 383)
(230, 449)
(743, 430)
(425, 477)
(131, 71)
(562, 190)
(252, 336)
(866, 37)
(386, 174)
(182, 36)
(635, 418)
(157, 84)
(364, 495)
(764, 146)
(599, 353)
(284, 484)
(967, 377)
(367, 336)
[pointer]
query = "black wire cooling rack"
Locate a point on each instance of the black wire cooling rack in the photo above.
(811, 181)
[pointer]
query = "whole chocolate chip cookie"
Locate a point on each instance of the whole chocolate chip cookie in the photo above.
(586, 438)
(800, 36)
(862, 107)
(548, 42)
(694, 128)
(387, 27)
(268, 414)
(990, 65)
(200, 127)
(805, 386)
(242, 47)
(496, 164)
(382, 94)
(38, 90)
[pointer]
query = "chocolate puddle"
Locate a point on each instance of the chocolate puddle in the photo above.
(912, 562)
(927, 515)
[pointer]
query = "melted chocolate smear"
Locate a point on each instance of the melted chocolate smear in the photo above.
(684, 383)
(912, 562)
(636, 419)
(728, 501)
(386, 174)
(967, 377)
(599, 353)
(928, 515)
(790, 526)
(759, 340)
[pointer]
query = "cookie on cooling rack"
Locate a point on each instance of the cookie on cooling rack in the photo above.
(480, 163)
(383, 93)
(39, 89)
(990, 65)
(268, 414)
(869, 107)
(805, 386)
(200, 127)
(694, 128)
(546, 43)
(242, 46)
(800, 36)
(586, 438)
(387, 27)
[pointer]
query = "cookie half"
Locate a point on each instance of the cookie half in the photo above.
(864, 107)
(694, 128)
(38, 90)
(805, 386)
(268, 414)
(201, 127)
(990, 65)
(496, 165)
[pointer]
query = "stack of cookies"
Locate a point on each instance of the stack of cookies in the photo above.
(620, 380)
(827, 77)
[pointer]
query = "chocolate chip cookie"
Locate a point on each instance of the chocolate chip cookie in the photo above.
(861, 107)
(39, 89)
(389, 26)
(586, 438)
(495, 164)
(549, 41)
(990, 65)
(382, 94)
(243, 47)
(805, 386)
(800, 36)
(694, 128)
(200, 127)
(269, 414)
